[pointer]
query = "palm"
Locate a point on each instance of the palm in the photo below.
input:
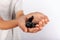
(39, 18)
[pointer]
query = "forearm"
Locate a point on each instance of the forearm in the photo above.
(8, 24)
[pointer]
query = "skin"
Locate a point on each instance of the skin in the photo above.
(39, 18)
(21, 19)
(11, 23)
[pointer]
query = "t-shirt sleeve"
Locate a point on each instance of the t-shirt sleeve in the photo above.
(18, 5)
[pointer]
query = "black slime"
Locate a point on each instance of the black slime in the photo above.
(29, 23)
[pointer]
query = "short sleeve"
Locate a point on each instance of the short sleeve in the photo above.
(18, 5)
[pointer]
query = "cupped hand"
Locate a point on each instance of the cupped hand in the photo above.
(39, 18)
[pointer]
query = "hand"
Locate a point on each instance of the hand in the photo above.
(39, 18)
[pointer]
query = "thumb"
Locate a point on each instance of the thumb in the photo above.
(21, 23)
(23, 27)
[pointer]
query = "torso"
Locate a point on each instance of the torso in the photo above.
(4, 9)
(6, 14)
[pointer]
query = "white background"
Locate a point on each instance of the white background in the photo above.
(51, 8)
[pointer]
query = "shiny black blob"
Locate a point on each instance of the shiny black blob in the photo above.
(29, 23)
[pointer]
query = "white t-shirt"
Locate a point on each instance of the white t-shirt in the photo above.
(8, 8)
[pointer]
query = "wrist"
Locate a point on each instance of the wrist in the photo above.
(16, 21)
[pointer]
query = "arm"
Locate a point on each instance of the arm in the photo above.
(13, 23)
(10, 23)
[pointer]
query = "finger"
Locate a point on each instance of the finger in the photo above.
(46, 19)
(39, 29)
(32, 30)
(38, 26)
(21, 23)
(40, 20)
(41, 24)
(23, 27)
